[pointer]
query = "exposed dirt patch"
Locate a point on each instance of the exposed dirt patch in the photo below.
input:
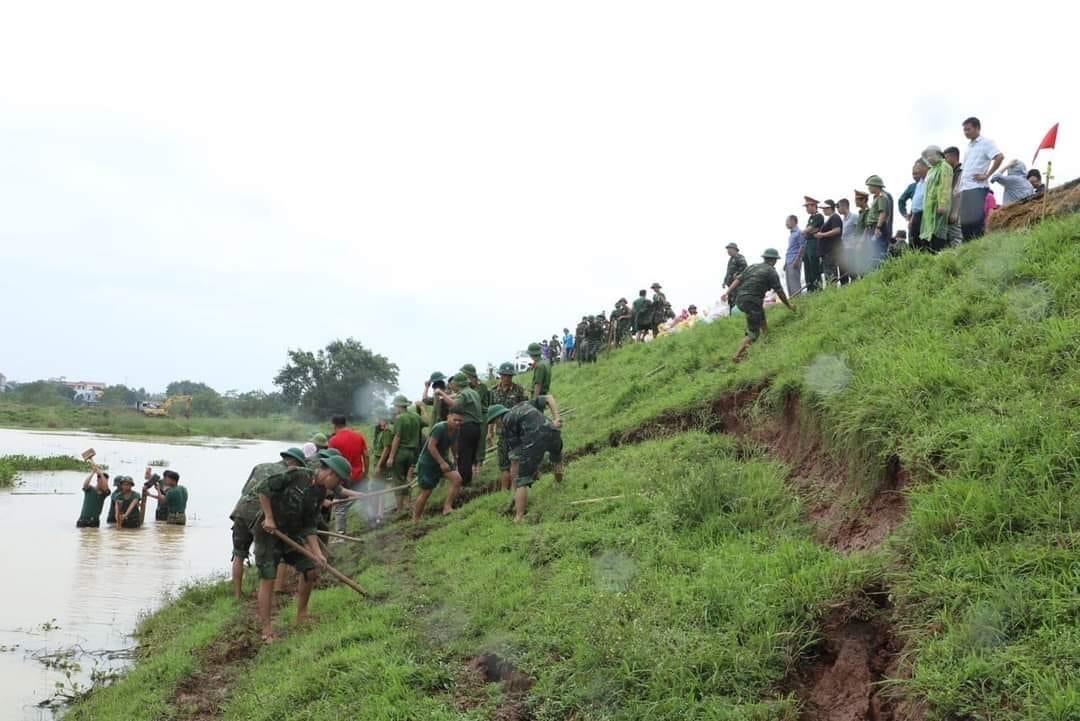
(491, 668)
(845, 516)
(841, 680)
(726, 414)
(203, 695)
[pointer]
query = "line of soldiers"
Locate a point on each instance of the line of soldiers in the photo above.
(292, 497)
(127, 508)
(596, 333)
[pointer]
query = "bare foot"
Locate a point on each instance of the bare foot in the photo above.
(305, 620)
(519, 519)
(269, 637)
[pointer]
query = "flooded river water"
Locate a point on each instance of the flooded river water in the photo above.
(85, 589)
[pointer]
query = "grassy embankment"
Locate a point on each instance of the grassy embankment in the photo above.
(131, 423)
(938, 400)
(11, 465)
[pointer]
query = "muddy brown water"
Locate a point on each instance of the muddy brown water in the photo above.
(85, 589)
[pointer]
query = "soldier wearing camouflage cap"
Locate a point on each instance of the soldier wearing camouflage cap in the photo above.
(736, 264)
(879, 219)
(751, 287)
(506, 393)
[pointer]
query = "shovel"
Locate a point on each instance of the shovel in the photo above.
(333, 571)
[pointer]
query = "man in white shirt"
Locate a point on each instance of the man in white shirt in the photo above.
(981, 161)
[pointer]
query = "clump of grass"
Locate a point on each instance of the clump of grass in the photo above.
(10, 466)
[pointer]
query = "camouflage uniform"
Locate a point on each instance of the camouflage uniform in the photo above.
(581, 350)
(661, 310)
(509, 397)
(246, 510)
(736, 264)
(529, 435)
(754, 282)
(485, 401)
(595, 335)
(296, 502)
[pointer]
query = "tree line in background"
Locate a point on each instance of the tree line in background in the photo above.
(342, 378)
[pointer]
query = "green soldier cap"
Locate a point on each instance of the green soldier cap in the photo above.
(436, 377)
(506, 369)
(469, 369)
(295, 454)
(876, 181)
(121, 480)
(401, 401)
(460, 379)
(327, 452)
(534, 349)
(495, 411)
(655, 286)
(319, 439)
(771, 253)
(338, 465)
(732, 246)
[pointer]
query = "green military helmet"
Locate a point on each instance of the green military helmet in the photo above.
(460, 379)
(327, 452)
(771, 254)
(295, 453)
(339, 466)
(436, 377)
(506, 369)
(534, 350)
(495, 411)
(469, 369)
(319, 439)
(401, 401)
(875, 181)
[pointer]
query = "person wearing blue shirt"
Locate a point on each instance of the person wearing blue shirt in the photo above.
(917, 197)
(567, 344)
(793, 257)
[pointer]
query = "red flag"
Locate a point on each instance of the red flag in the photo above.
(1047, 143)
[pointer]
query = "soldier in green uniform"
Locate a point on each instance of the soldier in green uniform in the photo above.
(642, 311)
(245, 513)
(506, 393)
(434, 464)
(380, 449)
(529, 436)
(596, 333)
(736, 264)
(467, 401)
(289, 503)
(661, 309)
(110, 519)
(404, 448)
(437, 382)
(811, 260)
(541, 380)
(580, 340)
(751, 287)
(94, 495)
(485, 400)
(173, 496)
(128, 514)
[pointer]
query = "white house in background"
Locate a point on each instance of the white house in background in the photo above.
(86, 391)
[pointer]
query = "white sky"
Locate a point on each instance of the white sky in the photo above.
(187, 190)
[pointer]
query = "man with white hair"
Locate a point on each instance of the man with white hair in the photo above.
(1014, 180)
(937, 201)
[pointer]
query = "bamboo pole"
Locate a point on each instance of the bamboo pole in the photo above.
(331, 534)
(333, 571)
(372, 494)
(655, 370)
(601, 498)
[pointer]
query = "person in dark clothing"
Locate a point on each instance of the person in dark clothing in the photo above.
(829, 243)
(811, 257)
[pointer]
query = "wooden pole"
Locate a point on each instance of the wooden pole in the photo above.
(331, 534)
(602, 498)
(372, 494)
(333, 571)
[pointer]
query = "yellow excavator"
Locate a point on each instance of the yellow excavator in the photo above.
(182, 404)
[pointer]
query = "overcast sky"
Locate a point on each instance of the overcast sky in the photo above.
(188, 190)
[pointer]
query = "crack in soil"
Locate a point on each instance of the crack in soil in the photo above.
(842, 678)
(491, 668)
(203, 694)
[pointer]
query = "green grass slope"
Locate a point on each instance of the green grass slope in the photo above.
(701, 592)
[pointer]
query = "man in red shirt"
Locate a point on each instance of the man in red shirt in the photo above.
(353, 446)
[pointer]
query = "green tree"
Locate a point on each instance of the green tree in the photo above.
(207, 403)
(42, 393)
(259, 404)
(344, 378)
(119, 395)
(188, 388)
